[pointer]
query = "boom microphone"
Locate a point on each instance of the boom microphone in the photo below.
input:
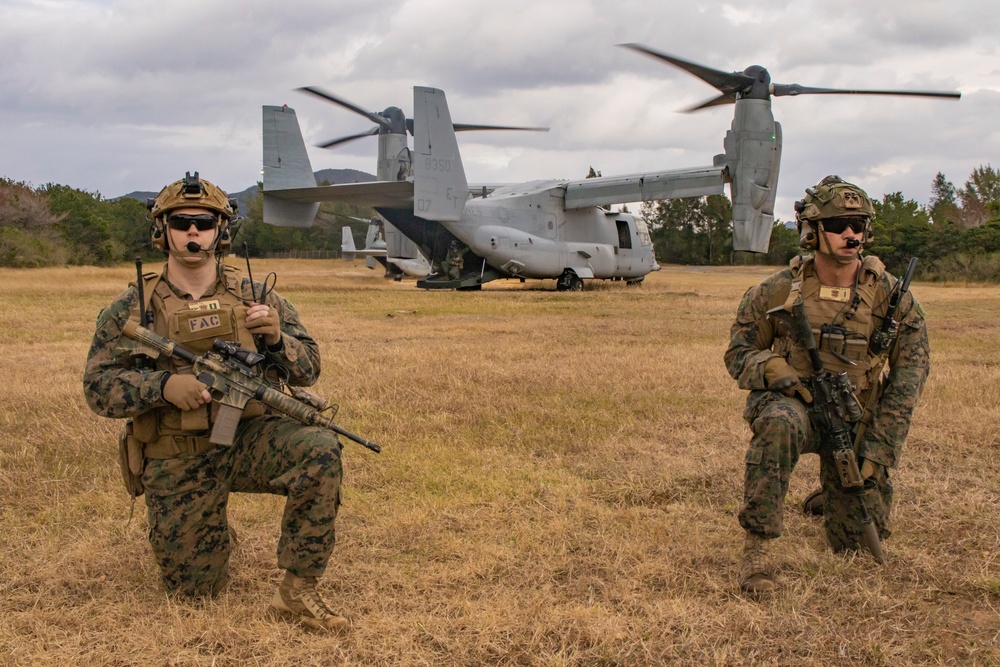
(193, 246)
(851, 243)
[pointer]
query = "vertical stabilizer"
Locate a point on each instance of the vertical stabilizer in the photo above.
(286, 165)
(439, 186)
(347, 246)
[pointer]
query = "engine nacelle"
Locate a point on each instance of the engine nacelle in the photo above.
(753, 156)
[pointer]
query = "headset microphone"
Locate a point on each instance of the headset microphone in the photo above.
(192, 246)
(851, 243)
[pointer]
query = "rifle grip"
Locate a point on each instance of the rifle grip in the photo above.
(847, 467)
(226, 422)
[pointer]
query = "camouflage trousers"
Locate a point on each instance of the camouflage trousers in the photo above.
(782, 432)
(186, 501)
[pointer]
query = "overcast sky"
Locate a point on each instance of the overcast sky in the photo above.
(117, 95)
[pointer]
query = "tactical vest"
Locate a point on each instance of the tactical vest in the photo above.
(849, 316)
(169, 432)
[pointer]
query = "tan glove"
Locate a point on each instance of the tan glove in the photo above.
(186, 392)
(262, 320)
(779, 376)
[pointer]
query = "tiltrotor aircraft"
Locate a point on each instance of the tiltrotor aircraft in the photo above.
(384, 243)
(376, 250)
(545, 229)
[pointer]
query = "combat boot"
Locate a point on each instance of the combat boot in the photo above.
(298, 600)
(755, 577)
(813, 504)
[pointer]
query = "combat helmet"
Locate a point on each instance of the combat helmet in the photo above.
(832, 197)
(188, 192)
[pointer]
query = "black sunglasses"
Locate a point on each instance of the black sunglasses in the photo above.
(183, 221)
(838, 225)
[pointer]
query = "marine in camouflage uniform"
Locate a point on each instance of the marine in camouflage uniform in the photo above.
(187, 479)
(764, 359)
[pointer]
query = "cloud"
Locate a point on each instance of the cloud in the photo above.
(120, 95)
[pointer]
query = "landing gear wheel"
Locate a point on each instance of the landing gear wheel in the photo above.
(569, 281)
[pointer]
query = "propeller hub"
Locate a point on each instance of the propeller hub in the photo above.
(397, 121)
(760, 88)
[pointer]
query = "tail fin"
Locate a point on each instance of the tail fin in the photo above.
(347, 246)
(372, 241)
(439, 185)
(286, 166)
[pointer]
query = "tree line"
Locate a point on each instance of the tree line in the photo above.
(956, 235)
(56, 225)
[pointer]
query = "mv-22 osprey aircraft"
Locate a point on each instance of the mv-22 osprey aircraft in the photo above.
(403, 260)
(545, 229)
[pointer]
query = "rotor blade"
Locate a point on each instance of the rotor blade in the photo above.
(344, 140)
(726, 83)
(465, 127)
(728, 98)
(780, 89)
(329, 97)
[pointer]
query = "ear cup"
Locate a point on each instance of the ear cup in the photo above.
(808, 239)
(157, 239)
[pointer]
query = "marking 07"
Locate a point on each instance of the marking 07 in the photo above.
(434, 164)
(423, 205)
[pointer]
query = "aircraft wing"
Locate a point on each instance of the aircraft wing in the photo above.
(650, 186)
(484, 189)
(393, 194)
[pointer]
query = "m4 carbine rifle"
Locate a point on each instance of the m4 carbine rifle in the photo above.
(228, 371)
(833, 409)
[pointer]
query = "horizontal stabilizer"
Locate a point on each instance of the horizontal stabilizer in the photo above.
(391, 194)
(696, 182)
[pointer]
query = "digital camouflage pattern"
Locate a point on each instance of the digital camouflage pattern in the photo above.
(781, 427)
(186, 498)
(186, 501)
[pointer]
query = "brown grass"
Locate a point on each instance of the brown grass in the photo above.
(559, 486)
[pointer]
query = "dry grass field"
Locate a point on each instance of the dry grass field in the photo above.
(559, 486)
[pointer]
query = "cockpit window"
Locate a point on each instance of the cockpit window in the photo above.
(643, 231)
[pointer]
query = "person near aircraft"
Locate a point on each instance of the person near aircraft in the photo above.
(454, 261)
(845, 295)
(186, 478)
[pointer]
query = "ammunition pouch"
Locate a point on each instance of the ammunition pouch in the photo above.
(178, 446)
(131, 461)
(169, 433)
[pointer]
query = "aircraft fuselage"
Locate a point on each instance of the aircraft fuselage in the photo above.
(523, 231)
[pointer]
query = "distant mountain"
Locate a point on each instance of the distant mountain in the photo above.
(141, 195)
(243, 197)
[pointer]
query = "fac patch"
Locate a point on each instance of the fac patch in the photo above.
(193, 325)
(838, 294)
(204, 323)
